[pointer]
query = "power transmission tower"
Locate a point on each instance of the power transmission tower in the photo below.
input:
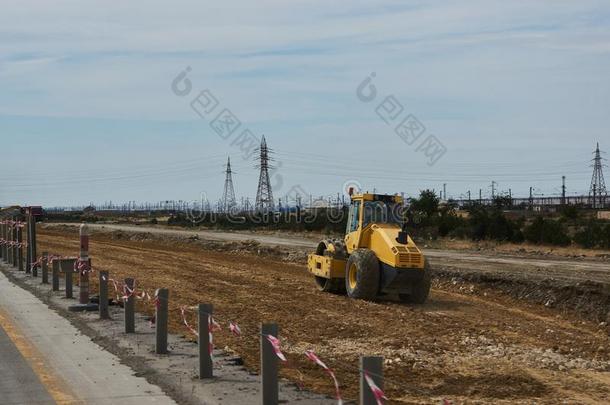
(598, 185)
(228, 196)
(264, 195)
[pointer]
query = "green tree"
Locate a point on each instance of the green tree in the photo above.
(593, 234)
(502, 201)
(423, 209)
(569, 212)
(447, 220)
(478, 221)
(546, 231)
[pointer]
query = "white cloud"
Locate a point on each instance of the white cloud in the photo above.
(479, 73)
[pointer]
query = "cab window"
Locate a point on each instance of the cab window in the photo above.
(379, 212)
(354, 215)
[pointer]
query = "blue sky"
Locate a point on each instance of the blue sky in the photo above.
(517, 92)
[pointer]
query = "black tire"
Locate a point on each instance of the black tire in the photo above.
(322, 247)
(331, 285)
(420, 289)
(334, 248)
(362, 275)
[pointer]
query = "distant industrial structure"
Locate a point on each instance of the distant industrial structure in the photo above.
(596, 199)
(598, 185)
(264, 194)
(228, 203)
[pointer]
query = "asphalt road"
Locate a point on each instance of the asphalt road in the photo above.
(18, 382)
(44, 359)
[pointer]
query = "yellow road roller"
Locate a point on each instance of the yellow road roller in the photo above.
(377, 256)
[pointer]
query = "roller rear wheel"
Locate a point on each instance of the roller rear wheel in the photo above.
(362, 275)
(420, 290)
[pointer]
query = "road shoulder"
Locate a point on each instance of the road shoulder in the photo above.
(123, 368)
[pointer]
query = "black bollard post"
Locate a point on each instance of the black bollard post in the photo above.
(130, 308)
(103, 304)
(45, 268)
(373, 367)
(269, 365)
(161, 317)
(205, 358)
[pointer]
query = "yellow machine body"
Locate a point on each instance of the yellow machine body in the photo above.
(381, 238)
(373, 227)
(326, 267)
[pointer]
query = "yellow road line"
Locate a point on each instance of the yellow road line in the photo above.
(54, 384)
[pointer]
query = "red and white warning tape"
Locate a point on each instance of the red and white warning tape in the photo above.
(12, 243)
(156, 302)
(377, 392)
(314, 358)
(13, 224)
(235, 330)
(275, 343)
(37, 263)
(128, 292)
(213, 326)
(116, 288)
(183, 312)
(52, 258)
(82, 266)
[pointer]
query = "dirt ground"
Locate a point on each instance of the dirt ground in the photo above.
(562, 279)
(518, 248)
(477, 345)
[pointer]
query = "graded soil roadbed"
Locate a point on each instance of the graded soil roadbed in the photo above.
(578, 285)
(462, 345)
(567, 269)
